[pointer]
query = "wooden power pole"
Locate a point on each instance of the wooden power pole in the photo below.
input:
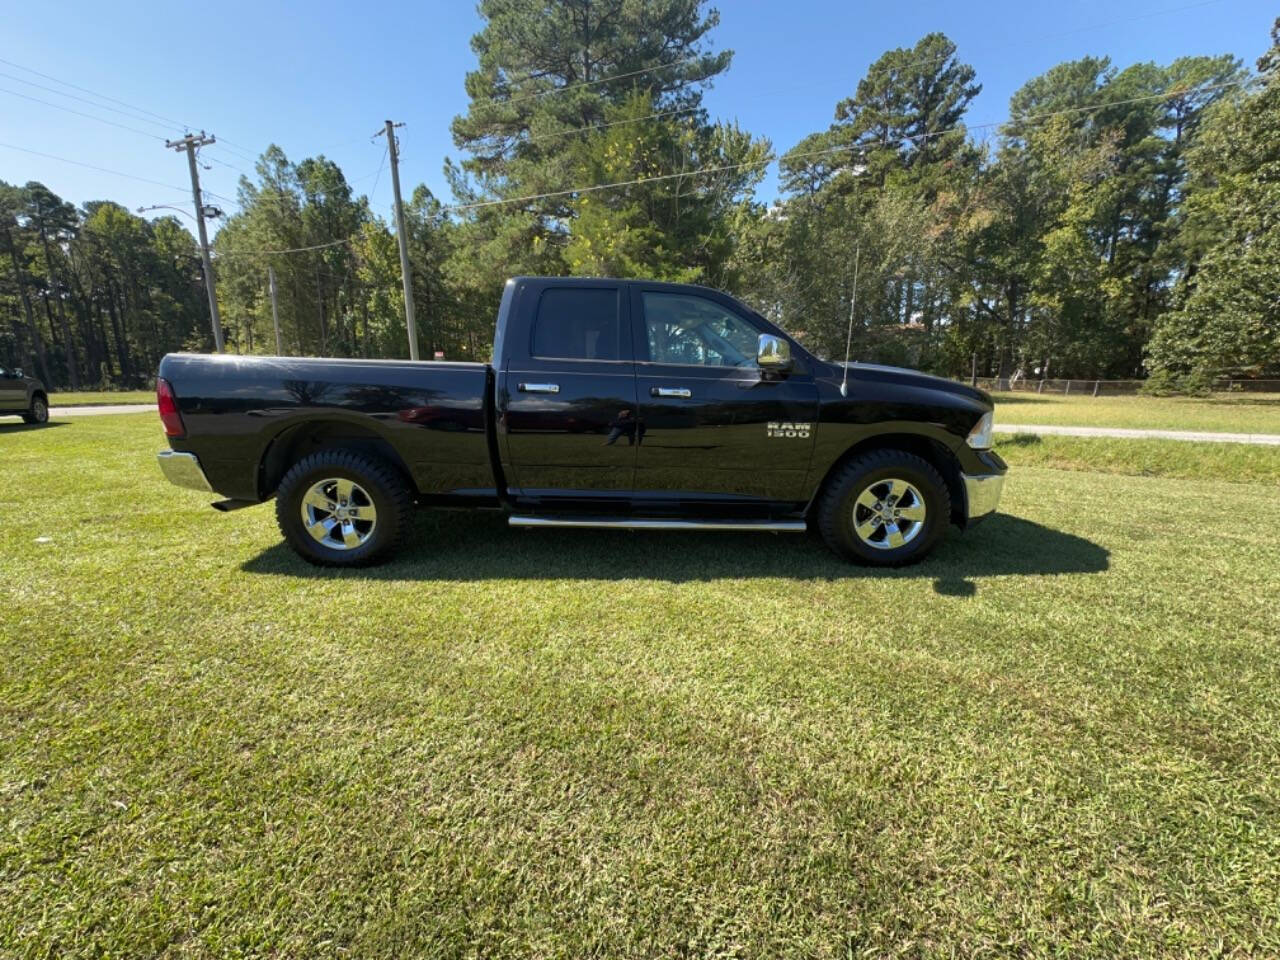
(190, 143)
(406, 274)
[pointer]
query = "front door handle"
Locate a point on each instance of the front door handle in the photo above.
(538, 387)
(683, 392)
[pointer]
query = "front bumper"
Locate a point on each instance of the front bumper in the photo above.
(183, 470)
(982, 491)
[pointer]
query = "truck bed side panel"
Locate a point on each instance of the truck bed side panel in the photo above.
(432, 414)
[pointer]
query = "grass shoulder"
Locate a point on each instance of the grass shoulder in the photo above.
(1222, 413)
(1231, 462)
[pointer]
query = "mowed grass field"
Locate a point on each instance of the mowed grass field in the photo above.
(1223, 413)
(1059, 736)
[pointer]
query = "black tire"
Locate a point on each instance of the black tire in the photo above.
(39, 411)
(377, 482)
(839, 508)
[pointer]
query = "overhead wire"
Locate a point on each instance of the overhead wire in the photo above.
(72, 96)
(81, 113)
(374, 192)
(100, 96)
(591, 83)
(602, 126)
(90, 166)
(843, 148)
(272, 253)
(235, 148)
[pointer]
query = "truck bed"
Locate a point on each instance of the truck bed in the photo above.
(243, 414)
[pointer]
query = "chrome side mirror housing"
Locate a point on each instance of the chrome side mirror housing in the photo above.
(773, 353)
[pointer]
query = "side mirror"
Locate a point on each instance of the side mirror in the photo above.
(773, 353)
(18, 373)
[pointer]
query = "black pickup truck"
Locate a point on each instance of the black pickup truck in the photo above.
(609, 403)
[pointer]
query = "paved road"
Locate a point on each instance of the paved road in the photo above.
(1261, 439)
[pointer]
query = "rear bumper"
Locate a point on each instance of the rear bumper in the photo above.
(183, 470)
(982, 491)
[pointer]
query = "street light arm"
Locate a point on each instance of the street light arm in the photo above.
(165, 206)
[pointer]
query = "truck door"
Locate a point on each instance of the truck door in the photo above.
(713, 423)
(568, 397)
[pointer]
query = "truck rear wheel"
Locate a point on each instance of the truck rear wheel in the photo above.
(337, 508)
(886, 508)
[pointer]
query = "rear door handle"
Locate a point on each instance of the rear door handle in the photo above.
(670, 392)
(538, 387)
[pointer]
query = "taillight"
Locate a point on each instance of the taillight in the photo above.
(168, 405)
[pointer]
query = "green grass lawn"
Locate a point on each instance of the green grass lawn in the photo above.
(1059, 736)
(98, 398)
(1224, 413)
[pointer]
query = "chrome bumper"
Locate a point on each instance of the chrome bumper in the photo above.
(982, 494)
(183, 470)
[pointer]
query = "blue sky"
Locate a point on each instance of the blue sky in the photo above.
(321, 77)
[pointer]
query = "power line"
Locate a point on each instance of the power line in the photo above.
(81, 113)
(72, 96)
(101, 96)
(229, 166)
(374, 192)
(159, 119)
(235, 147)
(272, 253)
(602, 126)
(592, 83)
(844, 148)
(90, 166)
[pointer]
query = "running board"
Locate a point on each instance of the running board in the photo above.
(629, 523)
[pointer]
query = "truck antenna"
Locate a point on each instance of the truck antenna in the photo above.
(853, 301)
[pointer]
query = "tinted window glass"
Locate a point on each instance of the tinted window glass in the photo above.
(694, 330)
(578, 324)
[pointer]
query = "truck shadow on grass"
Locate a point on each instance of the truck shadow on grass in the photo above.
(463, 546)
(21, 426)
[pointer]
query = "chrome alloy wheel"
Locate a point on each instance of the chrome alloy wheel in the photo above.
(339, 514)
(888, 514)
(39, 411)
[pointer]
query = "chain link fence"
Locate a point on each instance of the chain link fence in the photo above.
(1111, 388)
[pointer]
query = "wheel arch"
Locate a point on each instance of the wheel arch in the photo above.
(312, 436)
(927, 448)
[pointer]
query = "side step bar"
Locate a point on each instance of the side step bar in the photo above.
(631, 523)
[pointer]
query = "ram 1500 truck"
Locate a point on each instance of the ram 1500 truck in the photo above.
(608, 403)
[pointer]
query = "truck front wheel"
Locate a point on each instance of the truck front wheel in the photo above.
(886, 508)
(337, 508)
(39, 411)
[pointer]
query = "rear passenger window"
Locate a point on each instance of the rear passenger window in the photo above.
(578, 324)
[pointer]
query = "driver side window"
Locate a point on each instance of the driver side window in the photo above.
(694, 331)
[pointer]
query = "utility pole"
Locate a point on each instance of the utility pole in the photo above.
(275, 311)
(406, 274)
(190, 143)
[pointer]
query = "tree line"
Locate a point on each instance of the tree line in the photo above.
(1121, 223)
